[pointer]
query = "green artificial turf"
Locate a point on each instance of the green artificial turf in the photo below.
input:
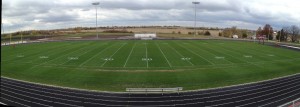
(116, 65)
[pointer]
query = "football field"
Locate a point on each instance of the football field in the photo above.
(114, 65)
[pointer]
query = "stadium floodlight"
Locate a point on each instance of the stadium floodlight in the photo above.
(195, 3)
(96, 4)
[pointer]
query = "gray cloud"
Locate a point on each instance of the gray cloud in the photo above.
(61, 13)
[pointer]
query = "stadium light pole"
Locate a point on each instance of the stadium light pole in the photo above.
(96, 4)
(195, 3)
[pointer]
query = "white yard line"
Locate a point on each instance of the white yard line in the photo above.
(81, 54)
(72, 53)
(55, 58)
(147, 55)
(94, 56)
(198, 55)
(239, 58)
(129, 55)
(112, 55)
(235, 56)
(211, 53)
(180, 54)
(163, 54)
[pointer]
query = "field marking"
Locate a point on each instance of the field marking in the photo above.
(44, 57)
(236, 52)
(268, 52)
(247, 56)
(57, 57)
(129, 55)
(180, 54)
(147, 55)
(95, 55)
(52, 52)
(197, 54)
(20, 56)
(112, 55)
(22, 50)
(37, 53)
(163, 54)
(76, 57)
(235, 56)
(217, 57)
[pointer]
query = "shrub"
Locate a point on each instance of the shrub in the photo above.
(245, 35)
(207, 33)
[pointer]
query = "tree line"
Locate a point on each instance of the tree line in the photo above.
(292, 31)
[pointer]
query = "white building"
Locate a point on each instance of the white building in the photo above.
(235, 36)
(145, 35)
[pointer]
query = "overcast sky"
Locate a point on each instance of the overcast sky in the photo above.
(49, 14)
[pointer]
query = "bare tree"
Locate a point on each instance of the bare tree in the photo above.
(294, 32)
(285, 32)
(259, 31)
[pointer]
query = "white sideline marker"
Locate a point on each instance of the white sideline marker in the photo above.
(270, 55)
(186, 59)
(108, 59)
(247, 56)
(20, 56)
(73, 58)
(219, 57)
(43, 57)
(146, 59)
